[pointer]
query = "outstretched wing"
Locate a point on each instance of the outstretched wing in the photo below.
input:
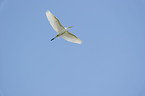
(71, 37)
(54, 22)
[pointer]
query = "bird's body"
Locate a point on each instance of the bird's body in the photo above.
(62, 31)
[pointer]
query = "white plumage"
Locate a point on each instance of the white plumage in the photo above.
(62, 31)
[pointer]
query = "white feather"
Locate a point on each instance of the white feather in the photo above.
(58, 27)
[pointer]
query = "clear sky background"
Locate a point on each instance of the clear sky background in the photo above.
(109, 62)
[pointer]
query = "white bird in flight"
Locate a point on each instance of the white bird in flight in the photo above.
(62, 31)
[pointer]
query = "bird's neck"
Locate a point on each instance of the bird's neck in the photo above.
(67, 28)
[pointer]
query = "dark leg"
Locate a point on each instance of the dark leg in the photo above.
(58, 35)
(52, 38)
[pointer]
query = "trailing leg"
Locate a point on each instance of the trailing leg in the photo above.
(58, 35)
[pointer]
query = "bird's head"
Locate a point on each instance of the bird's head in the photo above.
(69, 27)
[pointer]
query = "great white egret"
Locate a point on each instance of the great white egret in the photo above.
(62, 31)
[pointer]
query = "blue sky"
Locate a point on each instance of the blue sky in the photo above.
(109, 62)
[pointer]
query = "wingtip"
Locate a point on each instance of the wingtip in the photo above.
(80, 42)
(47, 11)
